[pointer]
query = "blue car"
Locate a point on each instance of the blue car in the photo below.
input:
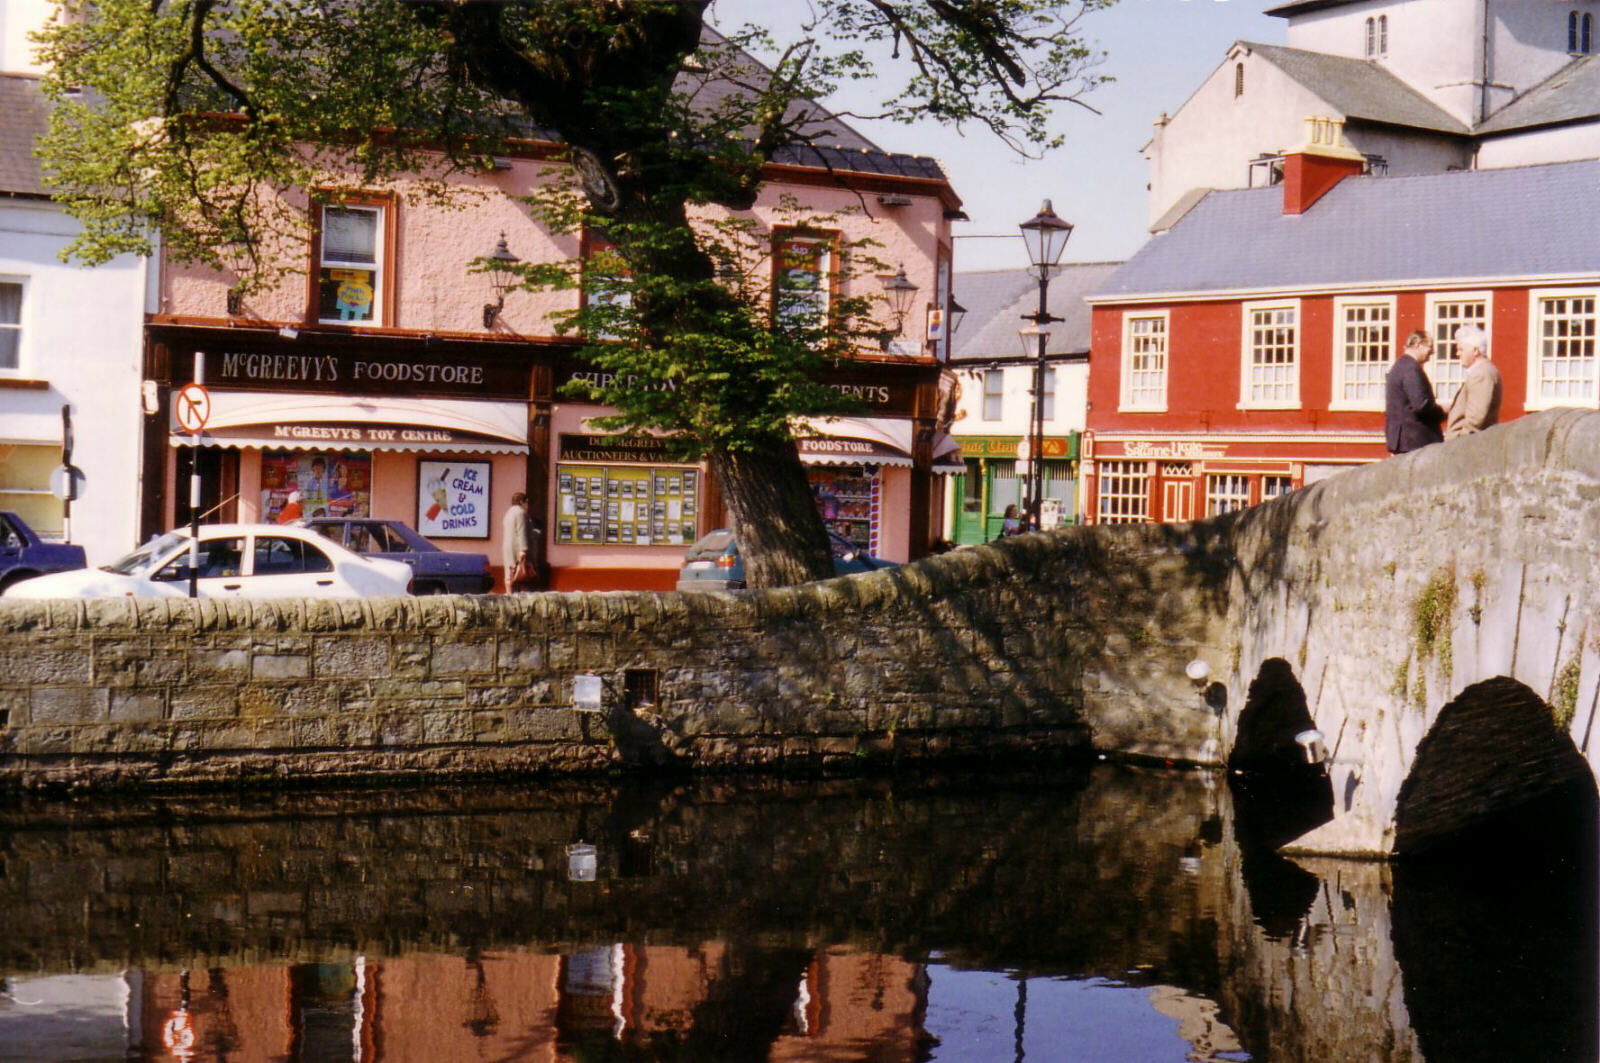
(434, 571)
(713, 562)
(24, 555)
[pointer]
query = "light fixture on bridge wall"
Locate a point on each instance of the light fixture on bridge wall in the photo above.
(500, 264)
(1198, 672)
(1313, 745)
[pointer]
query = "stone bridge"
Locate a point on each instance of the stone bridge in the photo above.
(1437, 618)
(1434, 617)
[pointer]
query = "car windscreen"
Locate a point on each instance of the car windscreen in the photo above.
(128, 564)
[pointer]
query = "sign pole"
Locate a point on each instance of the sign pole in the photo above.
(66, 465)
(194, 489)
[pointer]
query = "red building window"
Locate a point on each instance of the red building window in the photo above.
(1362, 351)
(1144, 362)
(1271, 356)
(1124, 496)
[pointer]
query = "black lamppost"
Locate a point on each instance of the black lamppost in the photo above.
(1046, 236)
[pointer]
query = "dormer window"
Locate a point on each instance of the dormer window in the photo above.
(1580, 33)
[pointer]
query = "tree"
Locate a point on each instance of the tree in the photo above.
(197, 119)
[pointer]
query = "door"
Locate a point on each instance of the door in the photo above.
(1177, 500)
(969, 504)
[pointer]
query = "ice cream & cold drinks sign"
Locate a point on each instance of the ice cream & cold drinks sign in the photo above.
(453, 499)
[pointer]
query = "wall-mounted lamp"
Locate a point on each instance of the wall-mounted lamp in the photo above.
(500, 264)
(899, 291)
(958, 314)
(288, 332)
(583, 864)
(1312, 745)
(150, 397)
(1198, 672)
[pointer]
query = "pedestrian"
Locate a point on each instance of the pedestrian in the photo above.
(1010, 524)
(291, 510)
(1476, 405)
(514, 543)
(1411, 418)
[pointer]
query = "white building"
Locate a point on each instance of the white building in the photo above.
(69, 337)
(994, 399)
(1422, 86)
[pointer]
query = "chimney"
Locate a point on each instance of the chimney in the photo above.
(1313, 168)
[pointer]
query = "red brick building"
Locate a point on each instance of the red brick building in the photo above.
(1242, 352)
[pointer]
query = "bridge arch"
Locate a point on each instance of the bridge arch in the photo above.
(1494, 760)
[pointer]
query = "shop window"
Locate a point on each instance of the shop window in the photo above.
(331, 483)
(1271, 356)
(10, 325)
(25, 486)
(1124, 495)
(1563, 349)
(1226, 493)
(1005, 489)
(626, 505)
(803, 279)
(972, 487)
(1274, 486)
(1444, 317)
(1144, 362)
(351, 267)
(1363, 346)
(849, 500)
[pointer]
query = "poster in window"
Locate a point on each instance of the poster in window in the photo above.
(453, 499)
(330, 484)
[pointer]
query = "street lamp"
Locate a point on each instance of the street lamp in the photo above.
(501, 265)
(899, 291)
(1046, 236)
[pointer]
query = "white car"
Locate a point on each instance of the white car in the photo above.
(235, 561)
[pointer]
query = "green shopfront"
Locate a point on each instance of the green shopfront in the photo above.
(995, 479)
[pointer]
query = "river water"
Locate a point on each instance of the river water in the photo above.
(1098, 914)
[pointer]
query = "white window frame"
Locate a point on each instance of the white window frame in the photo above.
(1247, 352)
(1536, 399)
(1127, 404)
(1227, 492)
(998, 393)
(1446, 383)
(21, 328)
(1341, 306)
(380, 263)
(1132, 470)
(1269, 479)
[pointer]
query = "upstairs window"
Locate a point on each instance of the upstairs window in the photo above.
(994, 394)
(1144, 362)
(1372, 38)
(803, 265)
(351, 267)
(605, 280)
(1445, 315)
(10, 325)
(1238, 80)
(1049, 394)
(1383, 35)
(1363, 346)
(1580, 33)
(1563, 355)
(1271, 356)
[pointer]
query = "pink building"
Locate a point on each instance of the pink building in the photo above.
(374, 381)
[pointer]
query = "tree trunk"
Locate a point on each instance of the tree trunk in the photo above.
(774, 519)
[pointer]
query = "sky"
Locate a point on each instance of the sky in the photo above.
(1157, 50)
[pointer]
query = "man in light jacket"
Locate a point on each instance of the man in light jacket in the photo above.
(1477, 402)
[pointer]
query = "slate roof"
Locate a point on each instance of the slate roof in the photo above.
(1526, 221)
(997, 299)
(1570, 94)
(1359, 88)
(23, 113)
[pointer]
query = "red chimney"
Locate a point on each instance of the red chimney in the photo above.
(1324, 160)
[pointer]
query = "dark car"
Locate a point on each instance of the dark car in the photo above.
(24, 555)
(713, 562)
(435, 571)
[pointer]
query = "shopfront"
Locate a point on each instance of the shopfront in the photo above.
(994, 478)
(433, 435)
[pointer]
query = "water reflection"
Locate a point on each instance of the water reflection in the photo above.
(1100, 915)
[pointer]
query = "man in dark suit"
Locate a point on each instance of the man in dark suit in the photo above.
(1411, 418)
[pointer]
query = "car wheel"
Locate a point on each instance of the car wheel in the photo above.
(428, 587)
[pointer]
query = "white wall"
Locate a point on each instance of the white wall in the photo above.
(1016, 406)
(82, 334)
(1556, 144)
(18, 18)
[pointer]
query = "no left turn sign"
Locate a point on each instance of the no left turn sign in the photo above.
(192, 408)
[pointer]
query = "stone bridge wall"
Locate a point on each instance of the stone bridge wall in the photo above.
(1041, 644)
